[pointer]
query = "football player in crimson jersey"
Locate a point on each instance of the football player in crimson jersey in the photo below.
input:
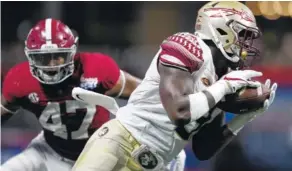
(176, 101)
(43, 86)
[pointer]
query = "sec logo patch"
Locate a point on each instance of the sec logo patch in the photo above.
(33, 97)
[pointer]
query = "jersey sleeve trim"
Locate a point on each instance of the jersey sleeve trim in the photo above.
(122, 74)
(186, 48)
(185, 52)
(171, 61)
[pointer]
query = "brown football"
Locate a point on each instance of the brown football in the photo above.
(245, 100)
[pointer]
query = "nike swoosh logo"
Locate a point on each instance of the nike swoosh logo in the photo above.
(78, 97)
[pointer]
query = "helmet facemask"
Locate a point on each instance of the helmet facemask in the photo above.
(51, 66)
(243, 46)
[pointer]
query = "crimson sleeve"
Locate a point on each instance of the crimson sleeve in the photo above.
(10, 88)
(11, 91)
(102, 68)
(112, 73)
(182, 51)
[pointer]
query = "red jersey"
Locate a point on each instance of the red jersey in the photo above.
(67, 123)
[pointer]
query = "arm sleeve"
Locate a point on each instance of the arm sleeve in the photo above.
(11, 92)
(181, 51)
(112, 73)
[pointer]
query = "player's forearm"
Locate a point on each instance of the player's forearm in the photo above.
(210, 142)
(202, 102)
(125, 86)
(183, 108)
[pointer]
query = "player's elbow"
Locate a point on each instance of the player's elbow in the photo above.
(182, 112)
(177, 108)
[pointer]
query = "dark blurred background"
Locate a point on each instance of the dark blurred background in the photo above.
(131, 33)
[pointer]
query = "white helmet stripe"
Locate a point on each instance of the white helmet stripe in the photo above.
(48, 27)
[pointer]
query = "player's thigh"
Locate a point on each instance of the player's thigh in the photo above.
(30, 159)
(105, 155)
(100, 154)
(108, 149)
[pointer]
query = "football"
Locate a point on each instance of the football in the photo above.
(245, 100)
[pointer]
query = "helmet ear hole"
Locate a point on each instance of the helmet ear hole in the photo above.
(222, 32)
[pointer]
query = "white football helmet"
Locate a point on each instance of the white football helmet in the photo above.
(232, 27)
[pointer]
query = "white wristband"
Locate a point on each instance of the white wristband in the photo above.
(218, 90)
(198, 105)
(199, 102)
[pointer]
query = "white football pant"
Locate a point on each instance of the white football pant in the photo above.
(38, 156)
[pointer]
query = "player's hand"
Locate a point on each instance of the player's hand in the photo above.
(239, 79)
(269, 101)
(273, 90)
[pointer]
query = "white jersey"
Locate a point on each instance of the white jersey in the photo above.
(145, 117)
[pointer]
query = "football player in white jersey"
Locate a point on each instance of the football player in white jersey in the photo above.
(176, 101)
